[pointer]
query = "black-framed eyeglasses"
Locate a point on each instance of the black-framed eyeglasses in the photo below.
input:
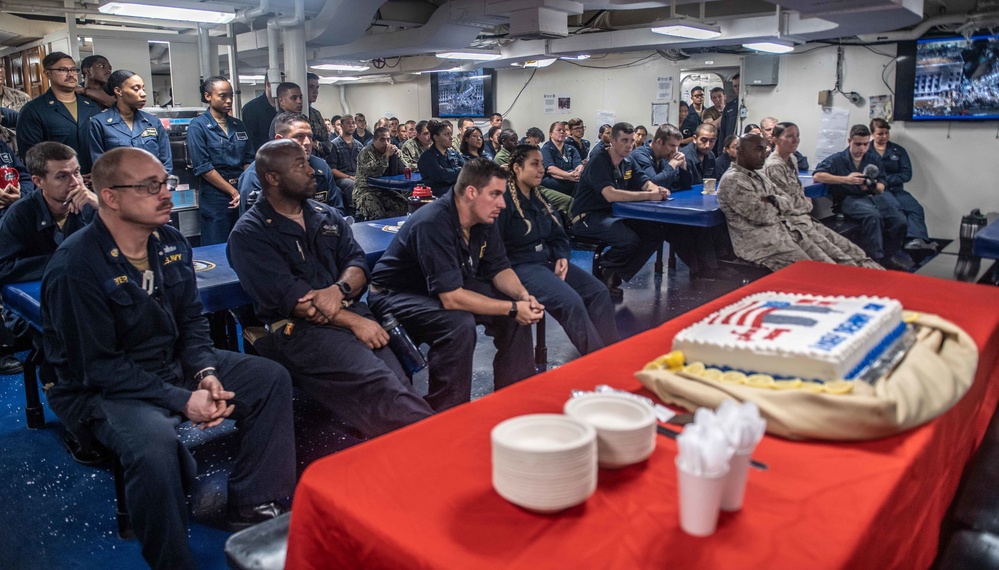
(153, 187)
(66, 70)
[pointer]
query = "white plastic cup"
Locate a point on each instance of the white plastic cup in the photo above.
(709, 185)
(700, 500)
(735, 481)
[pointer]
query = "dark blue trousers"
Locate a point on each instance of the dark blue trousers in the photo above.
(913, 210)
(581, 304)
(217, 218)
(882, 225)
(452, 337)
(366, 389)
(632, 242)
(159, 469)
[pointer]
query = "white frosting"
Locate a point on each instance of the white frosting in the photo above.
(791, 335)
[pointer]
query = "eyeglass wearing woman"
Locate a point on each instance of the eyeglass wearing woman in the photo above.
(126, 124)
(538, 249)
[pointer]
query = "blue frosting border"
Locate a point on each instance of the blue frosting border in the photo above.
(877, 350)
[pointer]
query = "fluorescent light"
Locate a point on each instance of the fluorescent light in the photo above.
(335, 79)
(458, 68)
(774, 46)
(477, 56)
(689, 29)
(180, 11)
(250, 78)
(339, 67)
(536, 63)
(579, 57)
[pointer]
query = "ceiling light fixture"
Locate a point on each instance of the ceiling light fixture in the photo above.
(339, 67)
(536, 63)
(579, 57)
(476, 56)
(177, 10)
(250, 78)
(771, 46)
(457, 68)
(685, 28)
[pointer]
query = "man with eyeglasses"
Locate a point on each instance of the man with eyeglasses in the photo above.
(689, 125)
(124, 332)
(96, 70)
(576, 131)
(700, 157)
(59, 114)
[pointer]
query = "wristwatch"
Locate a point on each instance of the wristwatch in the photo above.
(513, 310)
(344, 288)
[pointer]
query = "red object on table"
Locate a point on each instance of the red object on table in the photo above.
(407, 173)
(421, 497)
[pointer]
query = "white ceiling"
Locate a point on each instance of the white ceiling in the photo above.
(414, 30)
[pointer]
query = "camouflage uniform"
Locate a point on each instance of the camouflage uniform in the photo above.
(818, 241)
(375, 203)
(759, 233)
(320, 135)
(410, 153)
(12, 99)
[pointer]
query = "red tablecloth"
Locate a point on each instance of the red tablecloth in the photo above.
(421, 497)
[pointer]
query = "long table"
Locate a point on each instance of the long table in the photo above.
(691, 208)
(421, 497)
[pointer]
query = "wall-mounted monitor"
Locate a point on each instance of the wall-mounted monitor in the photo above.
(462, 93)
(948, 79)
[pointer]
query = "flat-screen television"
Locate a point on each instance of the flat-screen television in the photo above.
(948, 79)
(462, 93)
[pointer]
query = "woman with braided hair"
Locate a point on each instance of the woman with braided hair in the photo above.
(538, 248)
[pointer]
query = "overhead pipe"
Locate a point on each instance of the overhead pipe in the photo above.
(247, 15)
(343, 99)
(237, 102)
(293, 28)
(204, 51)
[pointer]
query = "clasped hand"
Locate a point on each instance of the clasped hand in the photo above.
(530, 311)
(209, 404)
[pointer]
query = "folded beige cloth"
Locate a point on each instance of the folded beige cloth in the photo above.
(933, 376)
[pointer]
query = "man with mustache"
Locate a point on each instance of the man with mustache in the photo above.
(445, 272)
(124, 332)
(298, 260)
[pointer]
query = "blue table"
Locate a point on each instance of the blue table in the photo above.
(691, 208)
(986, 242)
(375, 236)
(397, 182)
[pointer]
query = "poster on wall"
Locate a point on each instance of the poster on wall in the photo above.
(664, 88)
(550, 101)
(606, 117)
(564, 104)
(660, 113)
(833, 127)
(881, 107)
